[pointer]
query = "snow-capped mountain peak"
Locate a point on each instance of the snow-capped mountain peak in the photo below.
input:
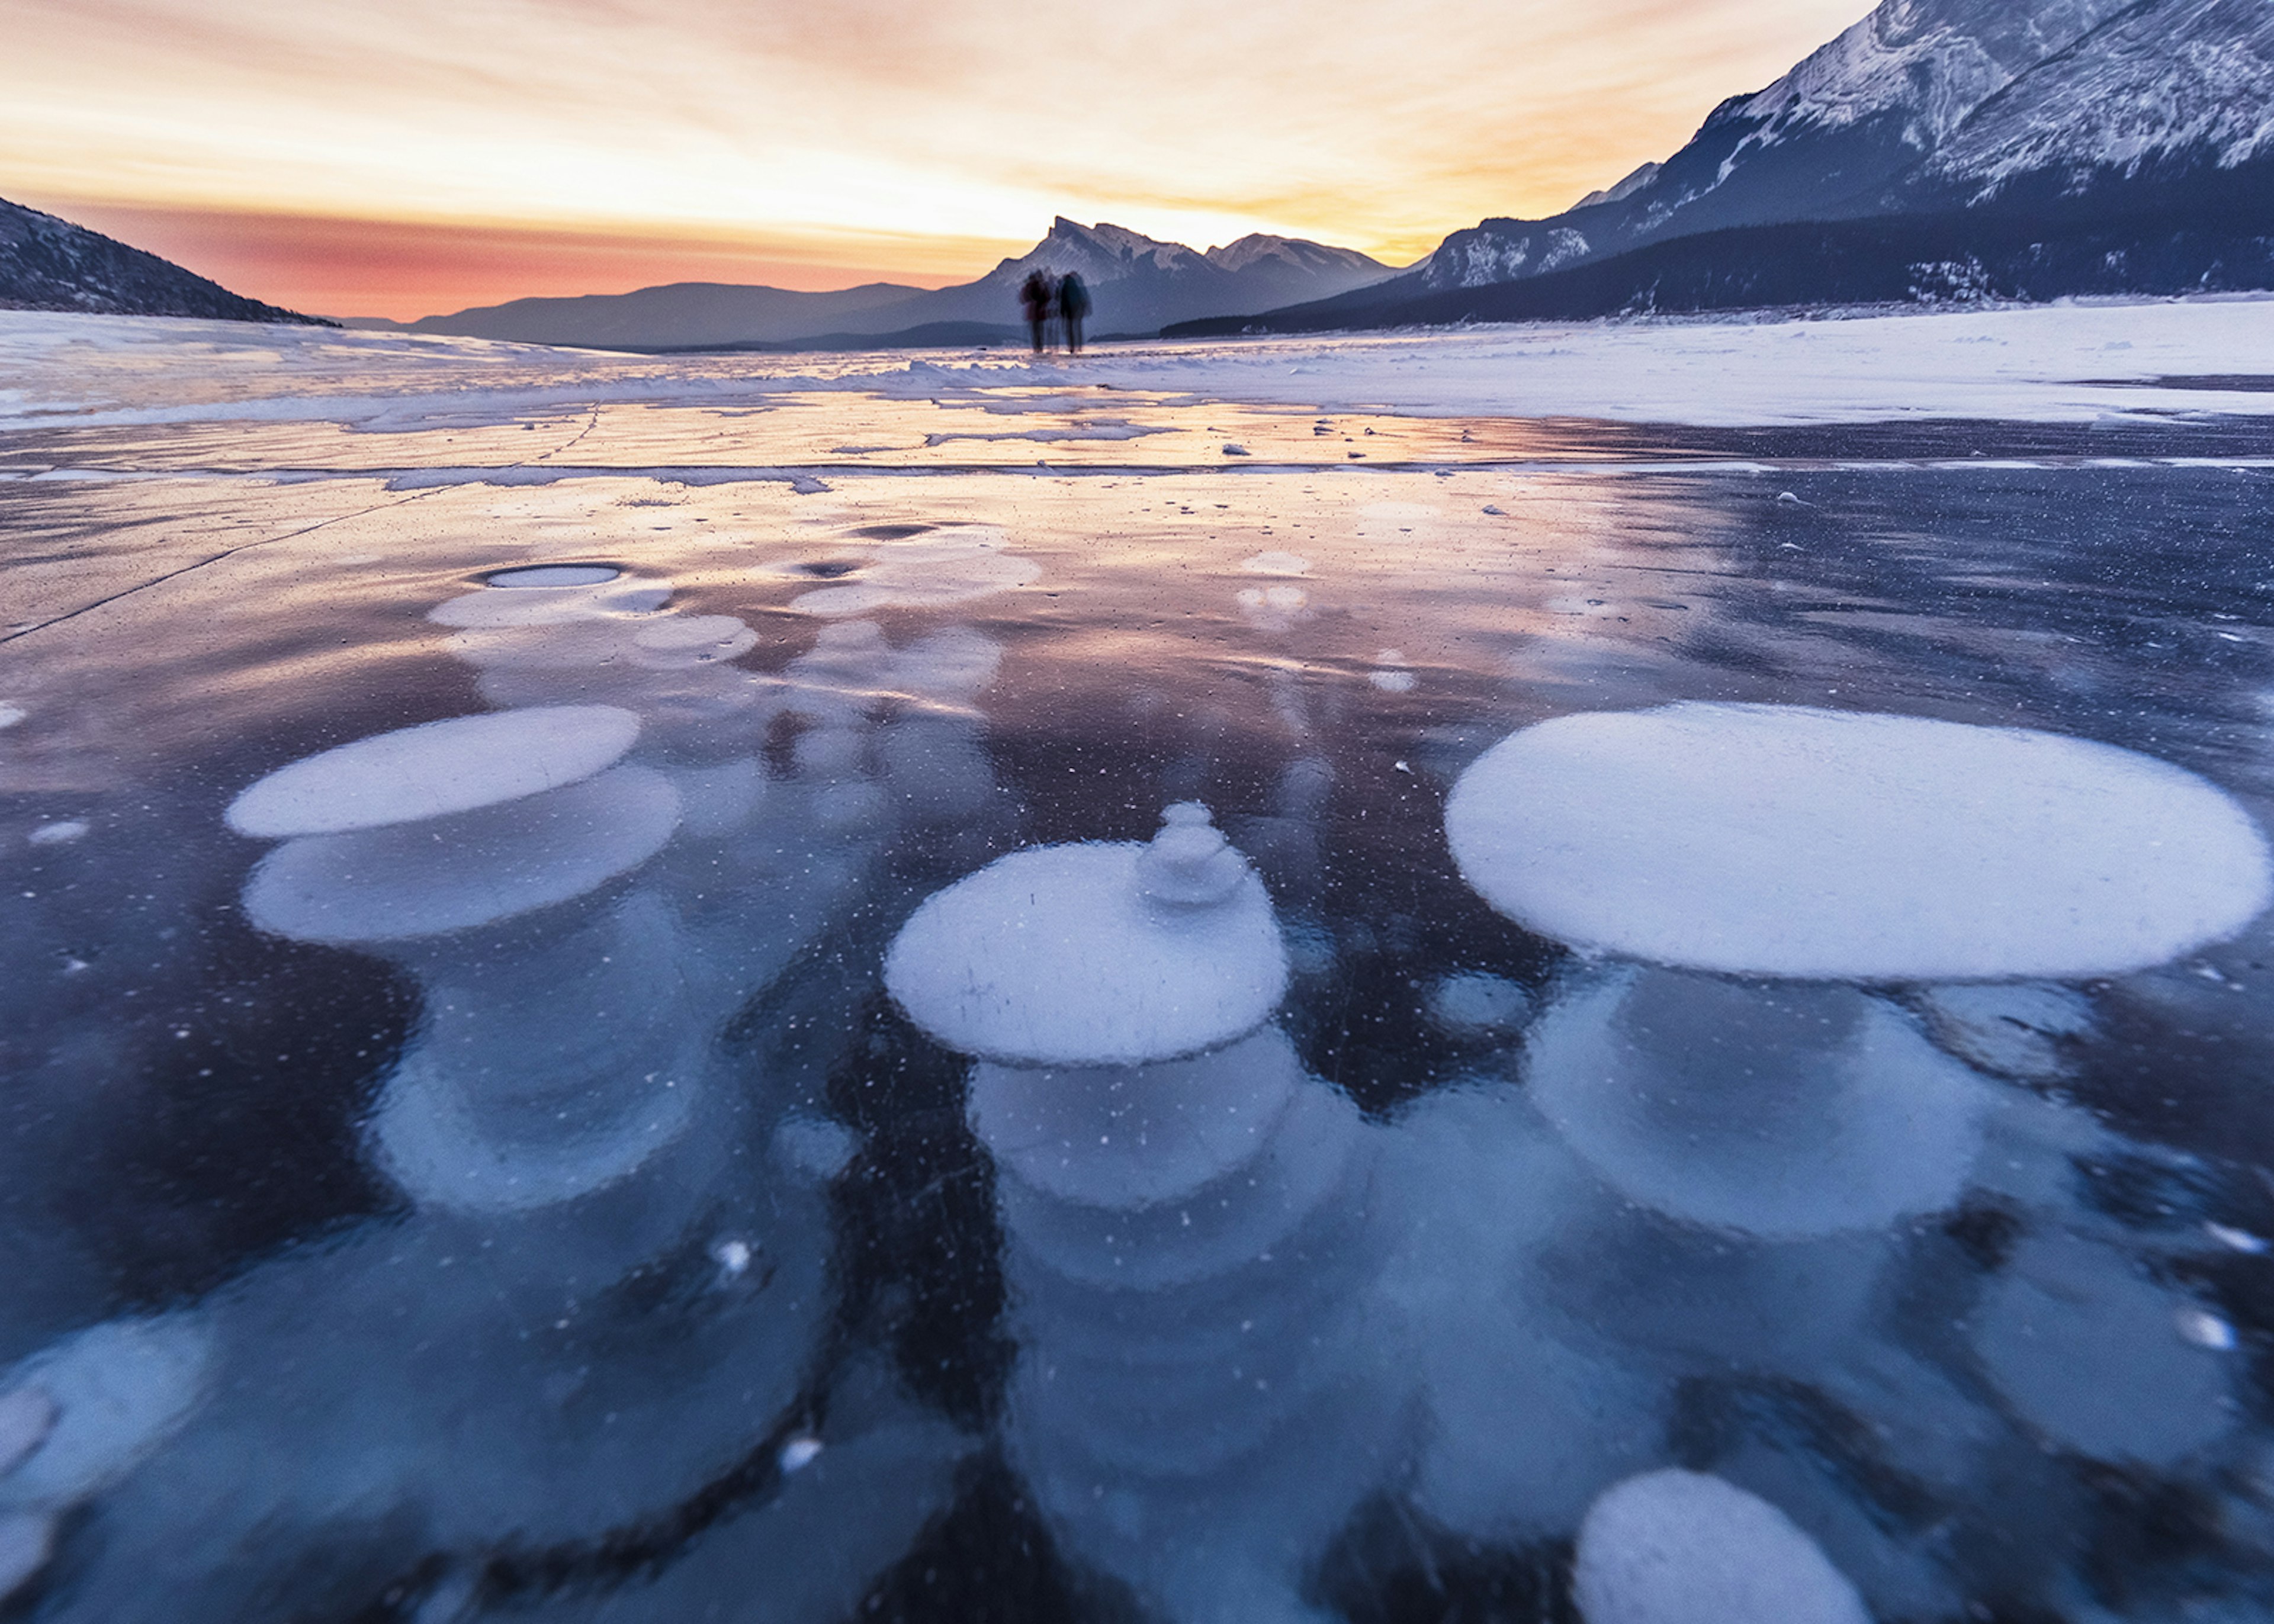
(1932, 62)
(1298, 253)
(2169, 81)
(1101, 253)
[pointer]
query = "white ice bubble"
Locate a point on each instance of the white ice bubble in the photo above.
(815, 1146)
(59, 833)
(1275, 562)
(2095, 1355)
(118, 1390)
(1473, 1002)
(550, 605)
(2236, 1240)
(422, 879)
(1786, 1114)
(1063, 955)
(553, 574)
(952, 565)
(2013, 1029)
(953, 666)
(435, 770)
(1682, 1547)
(692, 639)
(2205, 1329)
(1273, 608)
(1130, 1136)
(719, 800)
(1786, 841)
(11, 714)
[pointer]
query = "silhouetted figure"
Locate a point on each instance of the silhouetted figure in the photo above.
(1074, 304)
(1037, 295)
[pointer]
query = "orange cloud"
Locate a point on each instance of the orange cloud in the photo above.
(404, 269)
(853, 135)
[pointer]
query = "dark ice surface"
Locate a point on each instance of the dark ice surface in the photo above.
(809, 1354)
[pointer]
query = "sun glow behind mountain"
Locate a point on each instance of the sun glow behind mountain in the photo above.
(406, 157)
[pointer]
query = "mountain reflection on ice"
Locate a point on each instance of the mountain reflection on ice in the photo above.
(1445, 1041)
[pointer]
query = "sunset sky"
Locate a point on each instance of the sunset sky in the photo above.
(405, 157)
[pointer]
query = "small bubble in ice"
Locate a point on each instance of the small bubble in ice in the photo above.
(2204, 1330)
(57, 834)
(10, 715)
(1472, 1002)
(1232, 450)
(553, 574)
(733, 1256)
(1275, 562)
(2235, 1240)
(818, 1148)
(799, 1453)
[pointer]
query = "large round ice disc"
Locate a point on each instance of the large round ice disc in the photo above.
(1779, 840)
(1056, 957)
(435, 769)
(454, 873)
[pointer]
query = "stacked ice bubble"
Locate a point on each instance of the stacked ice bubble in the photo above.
(1764, 1135)
(605, 1288)
(1194, 1405)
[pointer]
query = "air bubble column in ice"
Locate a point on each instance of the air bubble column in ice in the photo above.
(551, 1060)
(1195, 1403)
(1746, 866)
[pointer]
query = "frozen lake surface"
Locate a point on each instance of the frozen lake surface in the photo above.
(1606, 971)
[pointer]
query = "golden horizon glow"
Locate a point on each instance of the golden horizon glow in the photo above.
(412, 156)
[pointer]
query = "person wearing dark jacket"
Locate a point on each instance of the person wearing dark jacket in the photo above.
(1074, 304)
(1036, 294)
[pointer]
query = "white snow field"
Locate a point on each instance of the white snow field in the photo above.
(2073, 362)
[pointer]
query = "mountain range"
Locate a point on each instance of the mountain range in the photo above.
(51, 264)
(1140, 285)
(1939, 149)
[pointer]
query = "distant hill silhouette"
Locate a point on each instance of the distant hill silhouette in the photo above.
(1139, 284)
(51, 264)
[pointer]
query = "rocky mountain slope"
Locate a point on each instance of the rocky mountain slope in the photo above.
(51, 264)
(2011, 148)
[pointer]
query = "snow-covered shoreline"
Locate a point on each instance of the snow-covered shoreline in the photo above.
(2072, 362)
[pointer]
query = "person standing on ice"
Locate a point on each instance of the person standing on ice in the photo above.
(1074, 304)
(1037, 293)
